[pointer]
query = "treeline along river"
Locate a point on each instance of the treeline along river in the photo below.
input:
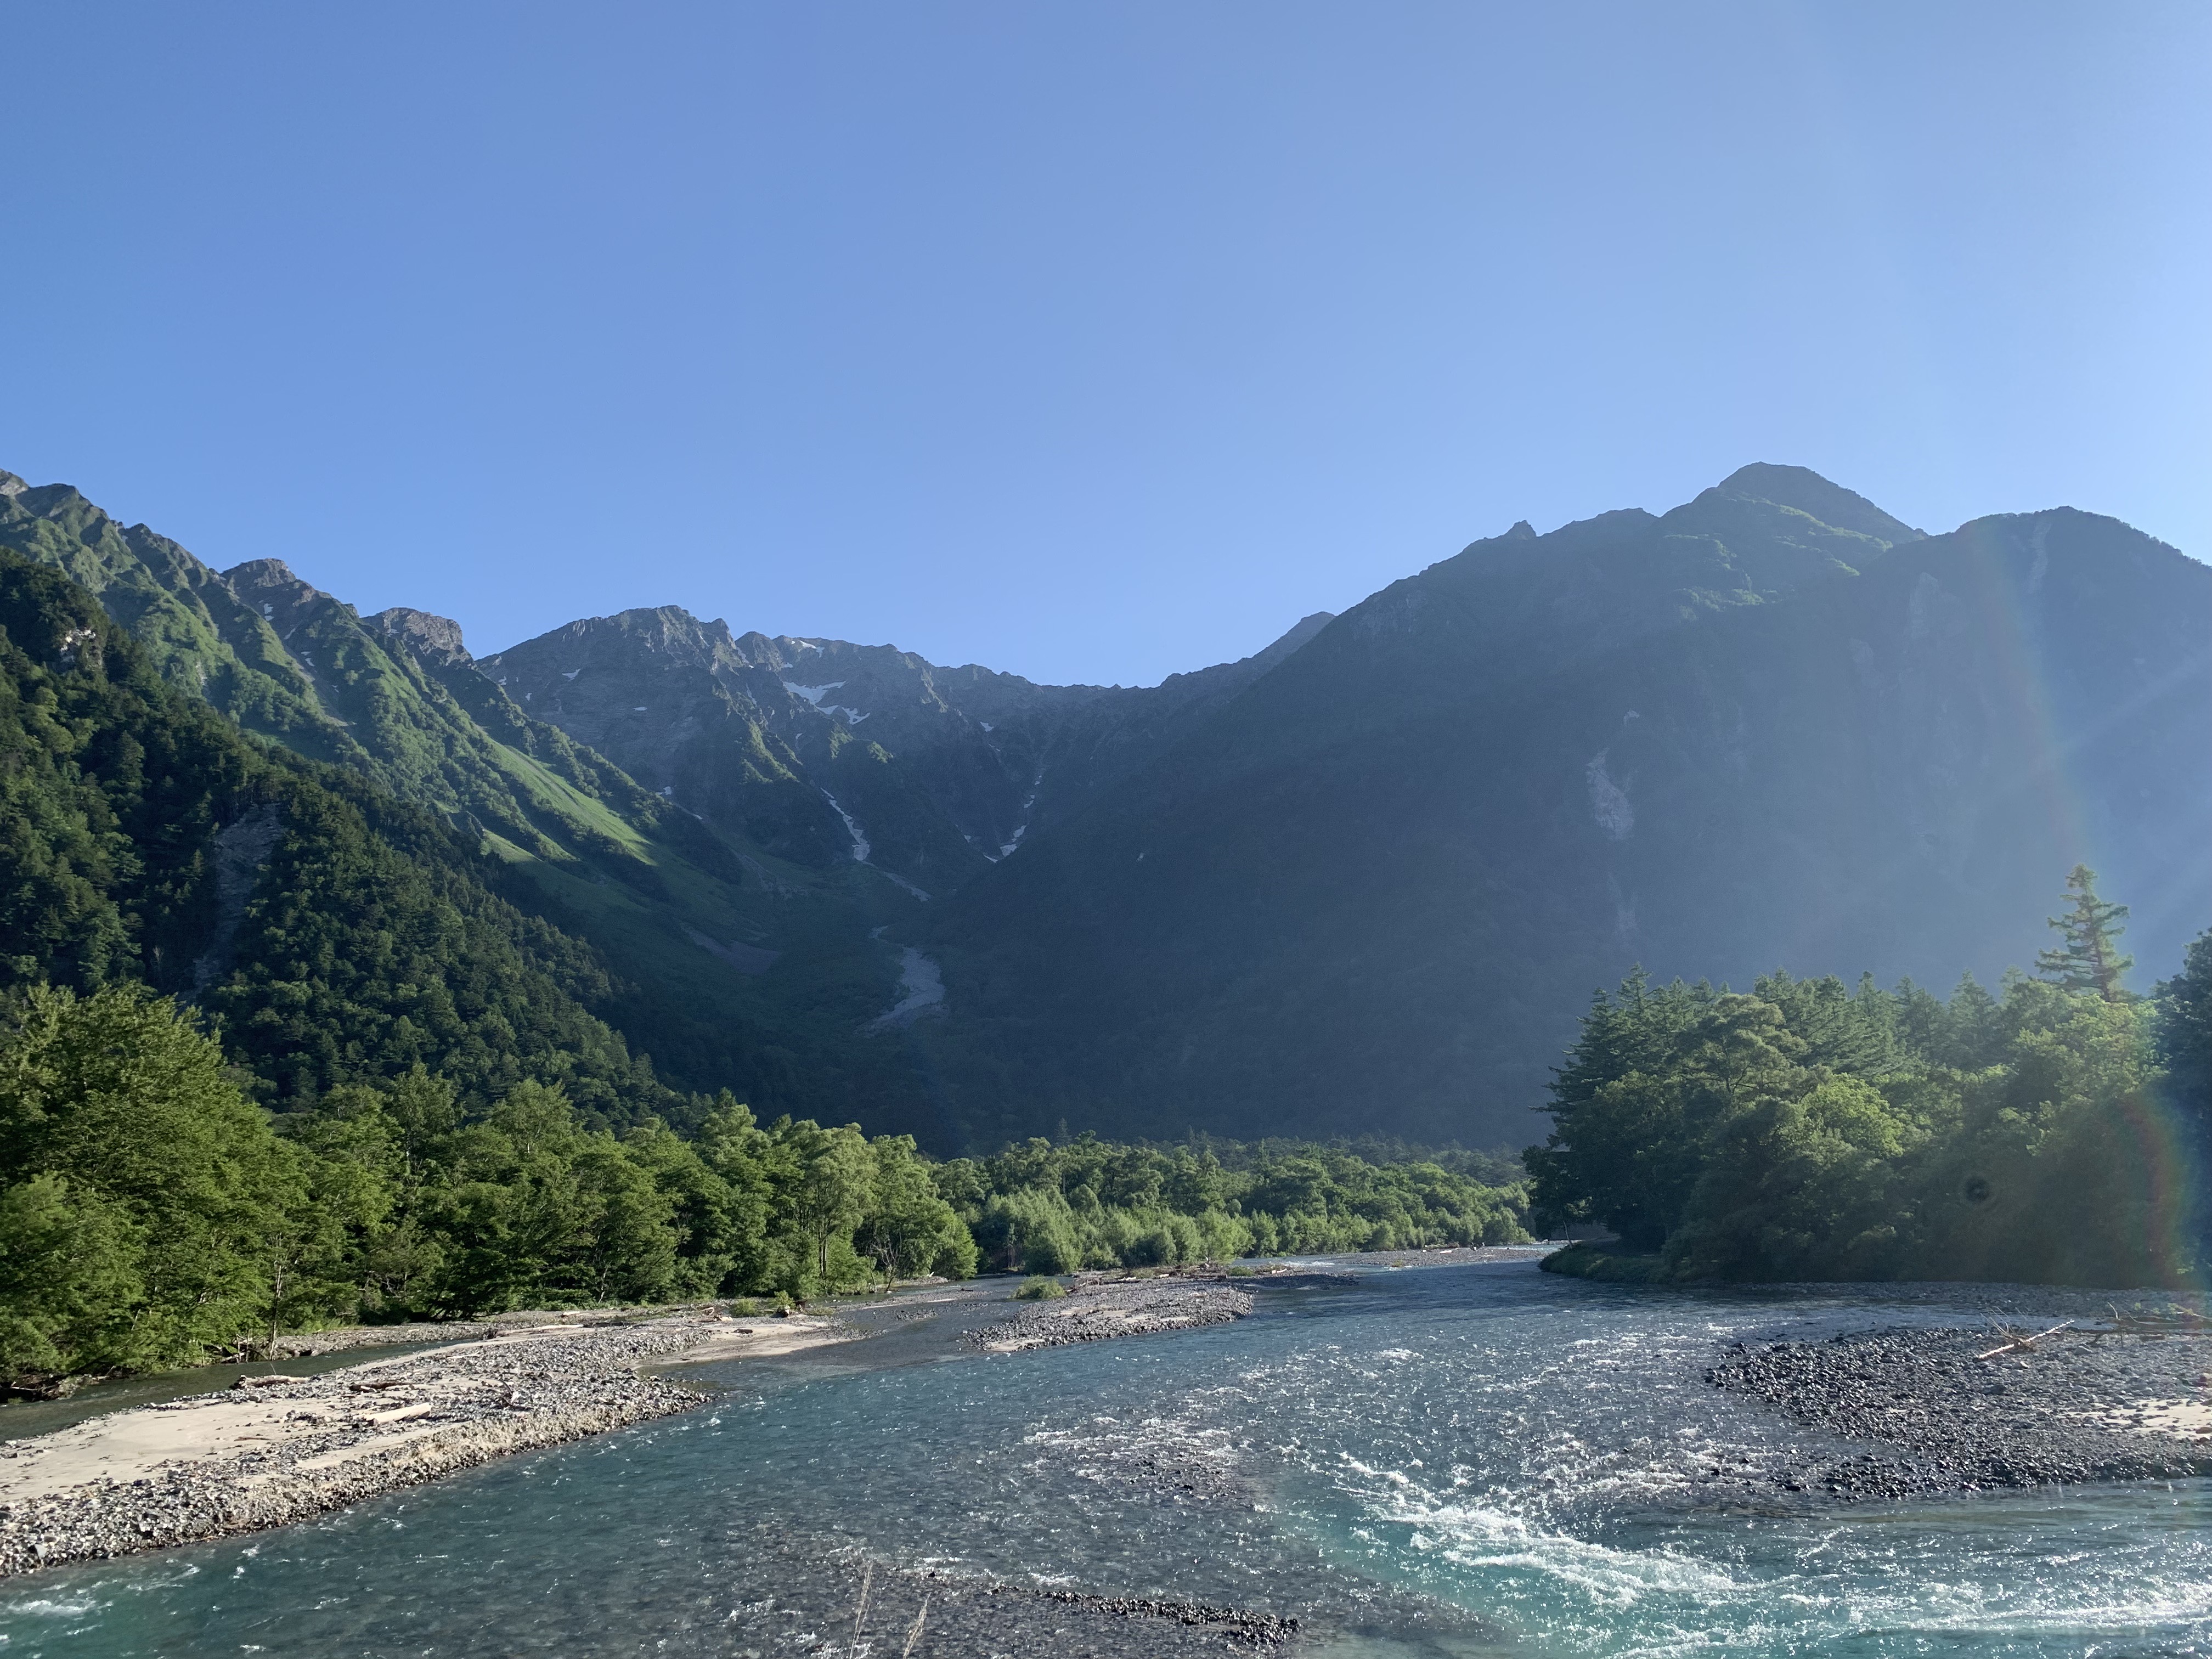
(1461, 1459)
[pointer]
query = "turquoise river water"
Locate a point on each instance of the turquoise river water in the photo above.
(1462, 1461)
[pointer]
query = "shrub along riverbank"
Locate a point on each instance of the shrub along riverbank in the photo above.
(2055, 1131)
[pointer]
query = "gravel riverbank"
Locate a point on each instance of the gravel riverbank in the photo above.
(1094, 1313)
(2083, 1405)
(274, 1450)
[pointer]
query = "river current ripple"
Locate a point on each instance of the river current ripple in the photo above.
(1450, 1461)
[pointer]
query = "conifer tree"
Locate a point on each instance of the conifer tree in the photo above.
(2184, 1030)
(2090, 958)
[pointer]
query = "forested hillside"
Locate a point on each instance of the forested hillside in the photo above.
(337, 936)
(682, 919)
(337, 983)
(150, 1216)
(274, 1050)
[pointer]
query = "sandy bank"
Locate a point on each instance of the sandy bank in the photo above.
(276, 1449)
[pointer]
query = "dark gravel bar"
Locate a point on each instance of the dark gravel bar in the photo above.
(2082, 1405)
(1096, 1313)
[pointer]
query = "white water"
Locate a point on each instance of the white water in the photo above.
(1450, 1461)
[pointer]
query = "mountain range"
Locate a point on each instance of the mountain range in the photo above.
(1362, 882)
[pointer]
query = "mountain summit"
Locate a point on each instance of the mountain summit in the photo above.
(1816, 498)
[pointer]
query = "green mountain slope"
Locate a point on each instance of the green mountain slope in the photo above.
(299, 666)
(335, 933)
(732, 965)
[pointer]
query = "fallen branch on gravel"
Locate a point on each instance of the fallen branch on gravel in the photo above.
(2023, 1344)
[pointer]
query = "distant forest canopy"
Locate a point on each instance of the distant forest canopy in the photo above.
(153, 1215)
(1044, 1208)
(2055, 1131)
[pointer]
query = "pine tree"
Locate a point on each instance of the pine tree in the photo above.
(2184, 1030)
(2090, 958)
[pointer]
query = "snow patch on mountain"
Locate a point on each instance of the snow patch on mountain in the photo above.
(921, 987)
(814, 694)
(852, 829)
(1036, 784)
(894, 875)
(1609, 801)
(745, 958)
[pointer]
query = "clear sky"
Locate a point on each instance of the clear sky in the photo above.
(1092, 341)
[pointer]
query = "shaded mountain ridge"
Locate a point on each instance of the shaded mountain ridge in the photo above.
(1379, 885)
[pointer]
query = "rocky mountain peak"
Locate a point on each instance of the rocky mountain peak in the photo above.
(262, 573)
(1801, 488)
(429, 635)
(11, 486)
(269, 586)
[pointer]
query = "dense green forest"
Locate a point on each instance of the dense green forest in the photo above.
(155, 1214)
(635, 898)
(2051, 1131)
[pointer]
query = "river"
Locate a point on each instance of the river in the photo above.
(1459, 1460)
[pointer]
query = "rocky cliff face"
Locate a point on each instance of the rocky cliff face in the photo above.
(436, 638)
(826, 750)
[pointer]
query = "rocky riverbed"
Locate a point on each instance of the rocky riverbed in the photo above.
(857, 1605)
(1096, 1312)
(1945, 1414)
(275, 1449)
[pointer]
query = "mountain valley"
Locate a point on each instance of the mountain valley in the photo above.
(1360, 883)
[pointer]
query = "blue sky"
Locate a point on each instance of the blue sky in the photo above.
(1089, 342)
